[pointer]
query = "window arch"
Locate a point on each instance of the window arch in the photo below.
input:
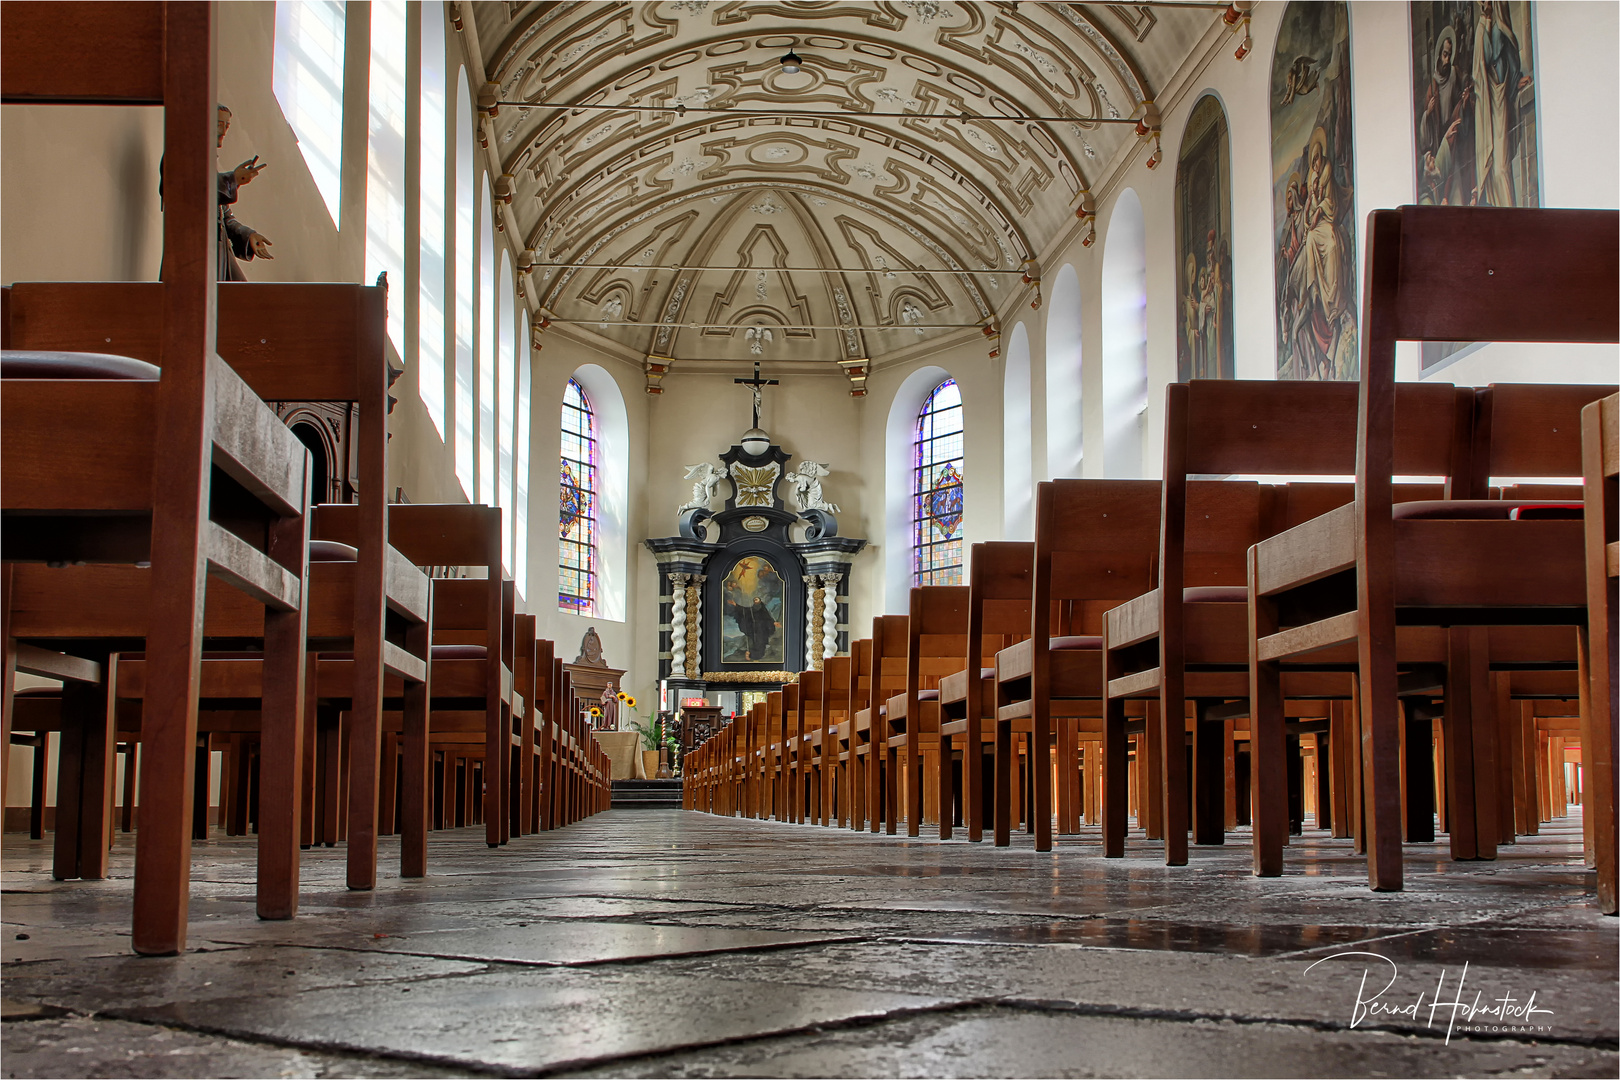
(487, 349)
(431, 290)
(1124, 340)
(936, 529)
(505, 400)
(465, 268)
(576, 546)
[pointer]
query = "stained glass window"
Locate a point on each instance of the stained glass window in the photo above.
(936, 528)
(576, 570)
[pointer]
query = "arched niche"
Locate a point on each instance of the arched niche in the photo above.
(612, 491)
(1017, 450)
(1064, 430)
(1124, 338)
(897, 509)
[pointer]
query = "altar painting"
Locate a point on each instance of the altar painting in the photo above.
(751, 595)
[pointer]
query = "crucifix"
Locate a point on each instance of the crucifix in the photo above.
(754, 384)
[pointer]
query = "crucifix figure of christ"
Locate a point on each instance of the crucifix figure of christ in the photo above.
(754, 384)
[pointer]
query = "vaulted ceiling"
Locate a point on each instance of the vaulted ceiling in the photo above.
(840, 213)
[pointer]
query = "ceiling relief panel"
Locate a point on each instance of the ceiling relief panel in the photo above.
(870, 212)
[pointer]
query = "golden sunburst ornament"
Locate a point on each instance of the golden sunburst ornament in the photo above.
(756, 486)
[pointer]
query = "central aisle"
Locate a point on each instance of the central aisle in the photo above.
(648, 942)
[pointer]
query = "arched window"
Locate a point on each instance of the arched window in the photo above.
(520, 473)
(576, 547)
(385, 160)
(466, 268)
(431, 267)
(487, 332)
(506, 400)
(936, 530)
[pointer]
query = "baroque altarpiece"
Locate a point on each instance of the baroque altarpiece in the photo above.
(743, 606)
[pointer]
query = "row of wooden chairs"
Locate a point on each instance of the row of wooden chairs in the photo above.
(161, 546)
(1335, 614)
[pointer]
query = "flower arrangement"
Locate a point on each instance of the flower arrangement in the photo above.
(653, 729)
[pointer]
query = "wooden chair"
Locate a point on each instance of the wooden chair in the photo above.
(74, 445)
(1600, 737)
(831, 745)
(886, 675)
(1433, 273)
(473, 620)
(305, 342)
(936, 646)
(856, 734)
(1000, 600)
(1223, 427)
(1093, 547)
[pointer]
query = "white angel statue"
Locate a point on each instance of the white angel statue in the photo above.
(806, 483)
(707, 477)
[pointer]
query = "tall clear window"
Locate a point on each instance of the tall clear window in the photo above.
(465, 256)
(385, 160)
(576, 570)
(520, 474)
(936, 529)
(430, 267)
(506, 383)
(306, 73)
(486, 357)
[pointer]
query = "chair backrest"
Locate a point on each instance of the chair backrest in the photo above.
(1474, 274)
(1001, 584)
(1530, 429)
(1096, 544)
(1287, 428)
(889, 648)
(936, 635)
(836, 688)
(860, 675)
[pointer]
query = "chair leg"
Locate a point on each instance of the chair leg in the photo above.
(281, 756)
(1420, 789)
(202, 789)
(132, 751)
(1004, 765)
(1597, 755)
(1209, 777)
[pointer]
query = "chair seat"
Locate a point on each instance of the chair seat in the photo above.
(1074, 642)
(325, 551)
(29, 364)
(1216, 594)
(1484, 510)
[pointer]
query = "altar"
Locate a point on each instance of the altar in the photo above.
(754, 593)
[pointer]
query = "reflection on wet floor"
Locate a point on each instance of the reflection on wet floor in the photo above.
(669, 943)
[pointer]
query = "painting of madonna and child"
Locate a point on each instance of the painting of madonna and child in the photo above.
(751, 595)
(1313, 194)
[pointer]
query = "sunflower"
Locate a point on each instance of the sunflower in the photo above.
(628, 700)
(623, 696)
(596, 710)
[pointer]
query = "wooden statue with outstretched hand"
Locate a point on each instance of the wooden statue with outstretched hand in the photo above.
(236, 240)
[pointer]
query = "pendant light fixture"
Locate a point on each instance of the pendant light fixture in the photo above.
(790, 63)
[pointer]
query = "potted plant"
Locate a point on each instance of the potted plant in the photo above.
(656, 740)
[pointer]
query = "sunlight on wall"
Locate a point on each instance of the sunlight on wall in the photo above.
(307, 77)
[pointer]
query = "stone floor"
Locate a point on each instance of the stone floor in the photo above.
(665, 943)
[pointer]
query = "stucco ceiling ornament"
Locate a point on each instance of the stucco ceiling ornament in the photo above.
(594, 186)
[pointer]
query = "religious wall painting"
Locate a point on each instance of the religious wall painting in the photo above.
(1473, 111)
(1313, 194)
(1204, 348)
(751, 595)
